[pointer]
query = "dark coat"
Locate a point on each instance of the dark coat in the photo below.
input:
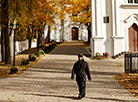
(81, 70)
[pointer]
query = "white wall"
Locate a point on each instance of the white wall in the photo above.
(112, 37)
(68, 24)
(21, 46)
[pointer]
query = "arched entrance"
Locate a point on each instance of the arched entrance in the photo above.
(133, 38)
(74, 33)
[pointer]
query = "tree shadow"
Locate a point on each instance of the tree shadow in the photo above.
(111, 99)
(104, 73)
(59, 96)
(76, 98)
(70, 50)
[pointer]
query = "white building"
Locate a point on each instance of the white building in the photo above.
(114, 26)
(70, 31)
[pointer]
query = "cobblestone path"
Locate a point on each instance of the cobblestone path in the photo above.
(49, 80)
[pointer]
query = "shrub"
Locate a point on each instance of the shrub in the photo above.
(58, 42)
(24, 62)
(41, 52)
(106, 54)
(32, 58)
(94, 56)
(13, 70)
(99, 56)
(37, 54)
(49, 48)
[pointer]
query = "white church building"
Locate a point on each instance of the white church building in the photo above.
(114, 26)
(70, 31)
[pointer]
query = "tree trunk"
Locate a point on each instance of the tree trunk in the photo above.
(38, 37)
(11, 37)
(62, 25)
(6, 34)
(89, 32)
(48, 35)
(2, 44)
(29, 38)
(2, 32)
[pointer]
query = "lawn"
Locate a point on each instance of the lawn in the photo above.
(129, 82)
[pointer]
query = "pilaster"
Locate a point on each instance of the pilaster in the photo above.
(117, 18)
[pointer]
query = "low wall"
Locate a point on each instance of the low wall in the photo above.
(21, 46)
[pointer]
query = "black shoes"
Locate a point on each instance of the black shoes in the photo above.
(80, 97)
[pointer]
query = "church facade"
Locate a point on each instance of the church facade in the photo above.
(114, 26)
(70, 31)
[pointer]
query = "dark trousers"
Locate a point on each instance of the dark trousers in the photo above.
(82, 86)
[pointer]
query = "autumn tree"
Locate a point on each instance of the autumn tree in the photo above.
(2, 30)
(5, 32)
(80, 11)
(32, 16)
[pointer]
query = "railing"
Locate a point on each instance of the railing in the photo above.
(131, 63)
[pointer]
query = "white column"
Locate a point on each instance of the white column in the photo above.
(117, 18)
(104, 13)
(98, 18)
(93, 17)
(113, 17)
(93, 26)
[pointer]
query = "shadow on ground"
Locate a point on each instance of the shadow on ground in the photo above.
(60, 96)
(76, 98)
(70, 50)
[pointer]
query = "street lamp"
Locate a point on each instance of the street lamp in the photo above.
(15, 28)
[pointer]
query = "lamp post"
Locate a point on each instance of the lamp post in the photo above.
(15, 28)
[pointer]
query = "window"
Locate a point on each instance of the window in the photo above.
(106, 19)
(132, 1)
(135, 1)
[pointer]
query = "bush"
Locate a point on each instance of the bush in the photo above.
(24, 62)
(32, 58)
(49, 48)
(58, 42)
(37, 54)
(99, 56)
(41, 52)
(13, 70)
(106, 54)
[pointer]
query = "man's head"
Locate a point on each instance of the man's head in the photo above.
(80, 56)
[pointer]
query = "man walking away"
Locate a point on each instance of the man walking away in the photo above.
(81, 68)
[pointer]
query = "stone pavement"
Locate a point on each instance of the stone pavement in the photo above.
(49, 80)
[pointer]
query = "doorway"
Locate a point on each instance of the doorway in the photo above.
(74, 33)
(133, 38)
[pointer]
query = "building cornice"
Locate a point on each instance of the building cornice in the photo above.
(132, 18)
(118, 37)
(129, 6)
(98, 37)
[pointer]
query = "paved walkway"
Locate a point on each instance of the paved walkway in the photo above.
(49, 80)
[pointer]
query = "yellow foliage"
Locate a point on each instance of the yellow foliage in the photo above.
(80, 10)
(34, 13)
